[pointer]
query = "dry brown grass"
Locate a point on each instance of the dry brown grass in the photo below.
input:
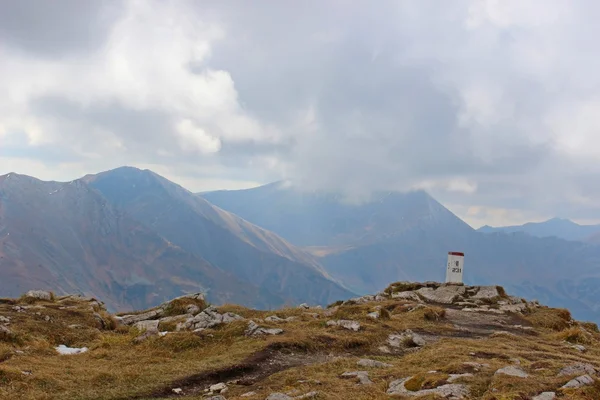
(178, 306)
(557, 319)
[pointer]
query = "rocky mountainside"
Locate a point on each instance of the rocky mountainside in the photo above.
(413, 340)
(249, 252)
(68, 238)
(555, 227)
(398, 236)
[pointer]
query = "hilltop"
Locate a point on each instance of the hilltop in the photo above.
(413, 340)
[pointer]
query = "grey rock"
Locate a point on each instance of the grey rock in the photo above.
(443, 294)
(4, 320)
(372, 363)
(545, 396)
(147, 326)
(248, 394)
(192, 309)
(406, 339)
(579, 348)
(408, 295)
(304, 306)
(580, 381)
(453, 377)
(175, 318)
(275, 318)
(132, 319)
(578, 368)
(208, 318)
(373, 315)
(346, 324)
(254, 330)
(449, 391)
(362, 376)
(511, 370)
(309, 395)
(278, 396)
(487, 293)
(217, 397)
(5, 332)
(219, 387)
(39, 294)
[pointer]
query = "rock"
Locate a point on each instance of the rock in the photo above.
(275, 318)
(309, 395)
(217, 397)
(373, 363)
(374, 315)
(313, 315)
(175, 318)
(192, 309)
(5, 333)
(39, 294)
(147, 326)
(208, 318)
(346, 324)
(578, 368)
(511, 370)
(278, 396)
(580, 381)
(545, 396)
(362, 376)
(248, 394)
(255, 330)
(453, 377)
(487, 293)
(406, 296)
(64, 350)
(406, 339)
(219, 387)
(579, 348)
(443, 294)
(177, 390)
(4, 320)
(304, 306)
(132, 319)
(144, 336)
(449, 391)
(514, 308)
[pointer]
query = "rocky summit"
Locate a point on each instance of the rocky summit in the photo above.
(413, 340)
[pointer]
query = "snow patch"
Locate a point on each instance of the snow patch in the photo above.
(64, 350)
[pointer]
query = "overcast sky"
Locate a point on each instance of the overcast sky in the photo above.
(491, 106)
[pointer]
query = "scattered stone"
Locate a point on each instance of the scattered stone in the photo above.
(374, 315)
(514, 308)
(39, 294)
(579, 348)
(147, 326)
(373, 363)
(450, 391)
(177, 391)
(545, 396)
(192, 309)
(511, 370)
(487, 293)
(219, 387)
(278, 396)
(476, 366)
(5, 333)
(175, 318)
(406, 339)
(443, 294)
(4, 320)
(406, 296)
(578, 368)
(362, 376)
(346, 324)
(64, 350)
(304, 306)
(208, 318)
(309, 395)
(454, 377)
(132, 319)
(255, 330)
(248, 394)
(580, 381)
(27, 373)
(217, 397)
(275, 318)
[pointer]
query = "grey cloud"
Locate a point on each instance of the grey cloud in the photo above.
(56, 28)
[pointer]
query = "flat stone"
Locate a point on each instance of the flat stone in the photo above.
(450, 391)
(132, 319)
(254, 330)
(309, 395)
(373, 315)
(248, 394)
(453, 377)
(487, 293)
(511, 370)
(278, 396)
(346, 324)
(406, 339)
(514, 308)
(578, 368)
(443, 294)
(218, 387)
(408, 295)
(362, 376)
(579, 348)
(580, 381)
(545, 396)
(373, 363)
(39, 294)
(175, 318)
(147, 326)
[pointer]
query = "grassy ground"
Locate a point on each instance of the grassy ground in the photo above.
(309, 350)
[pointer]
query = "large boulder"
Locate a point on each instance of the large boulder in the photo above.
(39, 294)
(208, 318)
(444, 294)
(134, 318)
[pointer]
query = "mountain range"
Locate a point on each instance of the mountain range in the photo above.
(135, 239)
(555, 227)
(406, 236)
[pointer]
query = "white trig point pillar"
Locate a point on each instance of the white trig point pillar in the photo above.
(454, 269)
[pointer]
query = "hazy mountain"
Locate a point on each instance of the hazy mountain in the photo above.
(399, 236)
(557, 227)
(232, 244)
(66, 237)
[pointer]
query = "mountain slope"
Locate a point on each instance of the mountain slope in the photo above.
(66, 237)
(557, 227)
(225, 240)
(409, 240)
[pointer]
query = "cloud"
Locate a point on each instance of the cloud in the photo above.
(489, 105)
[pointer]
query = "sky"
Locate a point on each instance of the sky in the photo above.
(492, 106)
